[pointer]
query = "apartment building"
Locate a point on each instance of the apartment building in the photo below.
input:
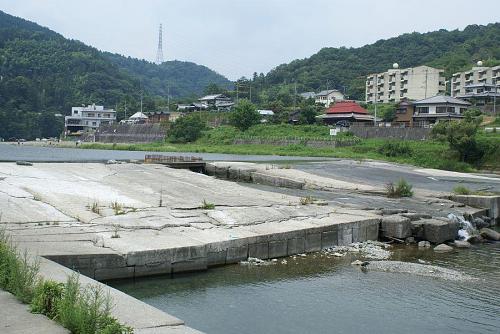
(414, 83)
(89, 118)
(480, 80)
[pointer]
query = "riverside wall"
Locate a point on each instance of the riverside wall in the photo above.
(299, 141)
(391, 133)
(130, 133)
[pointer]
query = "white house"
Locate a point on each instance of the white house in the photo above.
(219, 101)
(328, 97)
(89, 118)
(439, 107)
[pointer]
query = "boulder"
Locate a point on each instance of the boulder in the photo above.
(475, 239)
(443, 248)
(417, 229)
(424, 244)
(490, 234)
(479, 223)
(410, 240)
(439, 231)
(461, 244)
(396, 226)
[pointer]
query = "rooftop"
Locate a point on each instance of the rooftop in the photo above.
(342, 107)
(442, 99)
(326, 92)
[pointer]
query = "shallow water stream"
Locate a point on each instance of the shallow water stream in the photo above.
(324, 294)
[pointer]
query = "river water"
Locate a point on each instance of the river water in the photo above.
(323, 294)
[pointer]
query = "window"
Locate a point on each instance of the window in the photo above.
(98, 115)
(462, 110)
(444, 110)
(423, 110)
(94, 123)
(90, 115)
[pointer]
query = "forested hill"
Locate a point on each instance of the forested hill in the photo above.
(42, 74)
(347, 67)
(179, 78)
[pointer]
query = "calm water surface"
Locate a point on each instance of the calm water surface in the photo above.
(318, 294)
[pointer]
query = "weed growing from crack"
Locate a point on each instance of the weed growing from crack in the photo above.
(117, 208)
(207, 205)
(94, 207)
(306, 200)
(115, 234)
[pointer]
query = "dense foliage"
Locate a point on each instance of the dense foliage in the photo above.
(186, 129)
(346, 68)
(245, 115)
(43, 74)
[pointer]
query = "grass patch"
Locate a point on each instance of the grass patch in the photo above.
(94, 207)
(306, 200)
(82, 310)
(462, 190)
(207, 205)
(400, 189)
(117, 208)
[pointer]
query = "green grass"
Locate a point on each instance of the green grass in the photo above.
(207, 205)
(462, 190)
(82, 310)
(400, 189)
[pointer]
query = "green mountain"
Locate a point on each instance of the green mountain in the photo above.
(42, 74)
(347, 67)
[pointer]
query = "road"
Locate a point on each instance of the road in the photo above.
(381, 173)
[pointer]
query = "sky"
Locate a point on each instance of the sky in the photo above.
(239, 37)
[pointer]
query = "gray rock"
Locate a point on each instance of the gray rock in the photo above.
(476, 239)
(439, 231)
(24, 163)
(490, 234)
(443, 248)
(417, 229)
(424, 244)
(410, 240)
(480, 223)
(461, 244)
(396, 226)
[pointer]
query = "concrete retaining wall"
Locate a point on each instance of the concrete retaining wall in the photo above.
(391, 133)
(492, 203)
(199, 257)
(286, 142)
(130, 133)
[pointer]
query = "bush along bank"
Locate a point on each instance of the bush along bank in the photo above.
(82, 310)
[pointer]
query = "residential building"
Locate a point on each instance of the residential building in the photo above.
(218, 101)
(346, 112)
(138, 118)
(431, 110)
(476, 81)
(307, 95)
(327, 97)
(404, 114)
(88, 119)
(158, 116)
(414, 83)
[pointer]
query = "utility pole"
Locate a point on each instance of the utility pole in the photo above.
(141, 102)
(168, 97)
(495, 99)
(125, 109)
(376, 98)
(294, 95)
(237, 94)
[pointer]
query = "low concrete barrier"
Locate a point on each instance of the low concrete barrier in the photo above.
(492, 203)
(391, 133)
(263, 243)
(298, 141)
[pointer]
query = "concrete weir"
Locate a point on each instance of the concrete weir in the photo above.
(127, 220)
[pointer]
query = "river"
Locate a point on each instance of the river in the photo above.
(320, 294)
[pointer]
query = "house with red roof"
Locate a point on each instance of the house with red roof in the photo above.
(348, 111)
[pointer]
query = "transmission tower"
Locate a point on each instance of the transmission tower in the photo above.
(159, 52)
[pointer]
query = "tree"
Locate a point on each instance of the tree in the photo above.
(461, 136)
(186, 129)
(244, 115)
(307, 115)
(213, 88)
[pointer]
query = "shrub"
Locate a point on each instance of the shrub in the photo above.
(245, 115)
(186, 129)
(18, 274)
(395, 149)
(401, 189)
(306, 200)
(47, 296)
(462, 190)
